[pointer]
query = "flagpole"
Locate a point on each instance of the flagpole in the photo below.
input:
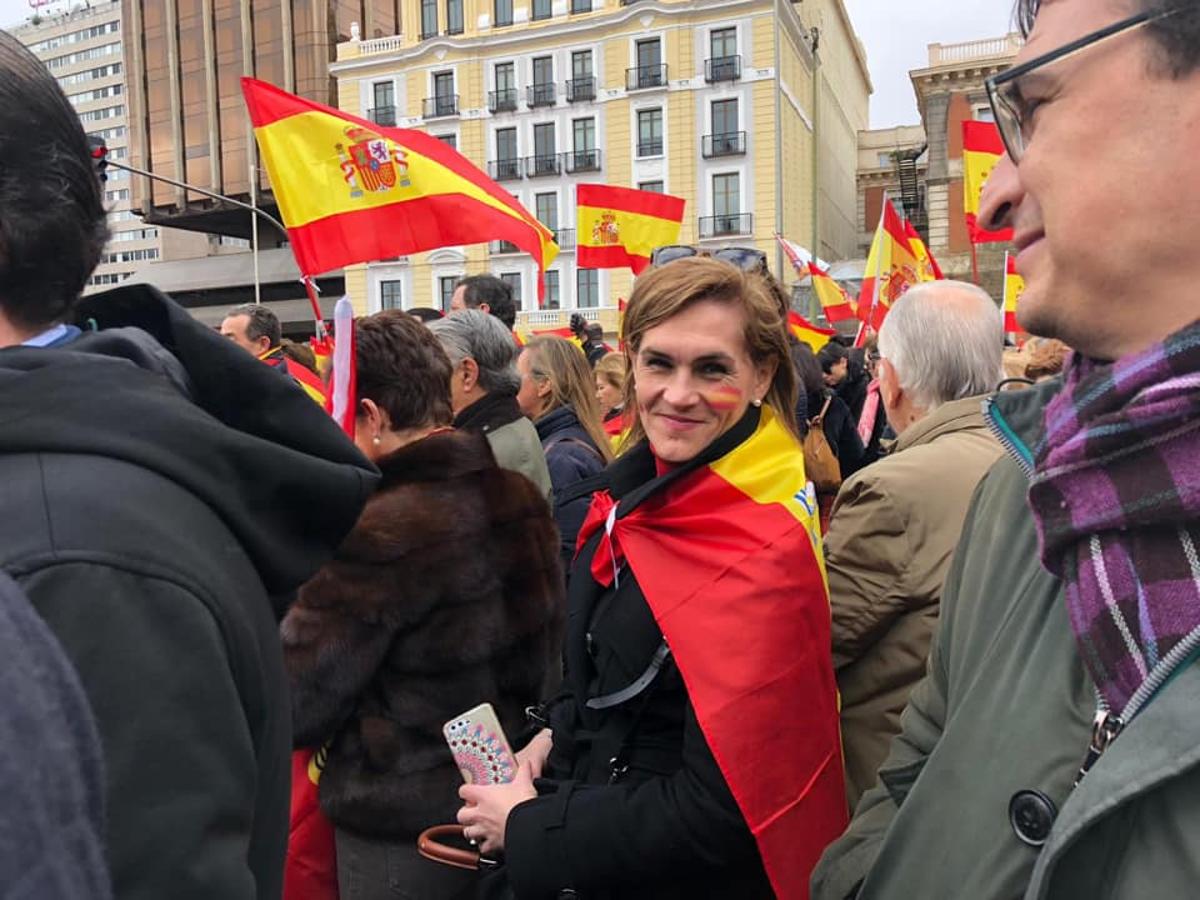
(974, 264)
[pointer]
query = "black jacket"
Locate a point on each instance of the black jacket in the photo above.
(669, 827)
(160, 485)
(841, 431)
(571, 456)
(853, 388)
(447, 594)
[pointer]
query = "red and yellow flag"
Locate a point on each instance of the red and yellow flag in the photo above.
(835, 302)
(1014, 287)
(982, 149)
(808, 333)
(930, 270)
(892, 268)
(619, 227)
(352, 191)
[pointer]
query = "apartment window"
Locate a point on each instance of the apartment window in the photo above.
(444, 101)
(429, 18)
(545, 159)
(506, 144)
(654, 187)
(506, 77)
(984, 114)
(584, 135)
(552, 289)
(650, 132)
(513, 280)
(454, 16)
(587, 288)
(446, 286)
(581, 6)
(390, 296)
(581, 64)
(545, 207)
(724, 117)
(543, 70)
(722, 43)
(541, 9)
(649, 53)
(727, 194)
(503, 9)
(384, 110)
(450, 140)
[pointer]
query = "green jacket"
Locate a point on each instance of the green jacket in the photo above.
(1007, 707)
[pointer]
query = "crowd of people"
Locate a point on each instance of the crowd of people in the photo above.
(910, 616)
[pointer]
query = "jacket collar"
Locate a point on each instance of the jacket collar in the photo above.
(957, 415)
(488, 413)
(442, 456)
(1017, 419)
(558, 419)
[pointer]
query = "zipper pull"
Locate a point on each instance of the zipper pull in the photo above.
(1105, 728)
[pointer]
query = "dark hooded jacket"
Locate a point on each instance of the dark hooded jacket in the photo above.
(160, 486)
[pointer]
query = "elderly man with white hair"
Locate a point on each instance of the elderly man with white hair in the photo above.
(895, 523)
(483, 391)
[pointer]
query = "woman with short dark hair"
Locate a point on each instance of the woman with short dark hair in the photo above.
(447, 594)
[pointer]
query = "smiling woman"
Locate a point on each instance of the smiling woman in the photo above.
(659, 766)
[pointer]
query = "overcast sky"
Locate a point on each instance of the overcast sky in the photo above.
(895, 34)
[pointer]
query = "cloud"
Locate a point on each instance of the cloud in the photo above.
(896, 35)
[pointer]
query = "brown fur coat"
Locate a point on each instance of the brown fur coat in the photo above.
(448, 593)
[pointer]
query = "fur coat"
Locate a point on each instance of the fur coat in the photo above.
(448, 593)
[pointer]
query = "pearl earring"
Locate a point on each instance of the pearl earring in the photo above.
(756, 402)
(376, 441)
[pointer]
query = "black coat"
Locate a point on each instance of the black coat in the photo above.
(447, 594)
(853, 388)
(571, 456)
(669, 828)
(156, 494)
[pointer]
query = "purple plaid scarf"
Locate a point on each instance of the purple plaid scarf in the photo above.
(1116, 496)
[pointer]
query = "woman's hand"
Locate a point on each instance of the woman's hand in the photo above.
(487, 807)
(536, 752)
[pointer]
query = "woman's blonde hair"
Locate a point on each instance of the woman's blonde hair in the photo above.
(611, 368)
(667, 291)
(563, 366)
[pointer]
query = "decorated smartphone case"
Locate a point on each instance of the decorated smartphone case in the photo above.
(480, 748)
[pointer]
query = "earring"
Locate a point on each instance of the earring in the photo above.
(756, 402)
(376, 441)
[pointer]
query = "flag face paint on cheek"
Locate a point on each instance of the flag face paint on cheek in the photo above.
(723, 398)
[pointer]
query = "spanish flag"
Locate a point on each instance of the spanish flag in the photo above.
(736, 524)
(309, 381)
(982, 149)
(619, 227)
(892, 268)
(352, 191)
(1014, 287)
(930, 270)
(835, 302)
(806, 332)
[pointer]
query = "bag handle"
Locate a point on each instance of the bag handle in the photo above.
(430, 846)
(820, 418)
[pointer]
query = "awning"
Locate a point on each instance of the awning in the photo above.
(287, 311)
(229, 270)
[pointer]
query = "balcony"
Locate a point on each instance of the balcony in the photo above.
(503, 248)
(543, 164)
(442, 106)
(722, 68)
(383, 115)
(582, 161)
(565, 238)
(502, 101)
(504, 169)
(727, 225)
(640, 78)
(649, 148)
(732, 143)
(541, 94)
(581, 90)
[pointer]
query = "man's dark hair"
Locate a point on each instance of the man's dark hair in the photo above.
(403, 368)
(425, 313)
(263, 322)
(808, 370)
(830, 355)
(495, 292)
(1177, 35)
(52, 220)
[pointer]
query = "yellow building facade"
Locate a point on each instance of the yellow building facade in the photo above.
(710, 100)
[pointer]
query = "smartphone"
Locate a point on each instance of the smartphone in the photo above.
(480, 749)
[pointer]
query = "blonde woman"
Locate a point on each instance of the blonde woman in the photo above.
(558, 394)
(610, 392)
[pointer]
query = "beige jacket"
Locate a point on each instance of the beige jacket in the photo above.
(894, 527)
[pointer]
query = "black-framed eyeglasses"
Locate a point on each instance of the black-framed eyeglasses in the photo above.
(1009, 106)
(749, 259)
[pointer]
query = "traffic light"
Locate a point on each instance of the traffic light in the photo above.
(99, 151)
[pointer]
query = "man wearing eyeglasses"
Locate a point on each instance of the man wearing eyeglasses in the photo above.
(1053, 750)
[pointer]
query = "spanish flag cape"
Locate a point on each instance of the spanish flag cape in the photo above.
(727, 553)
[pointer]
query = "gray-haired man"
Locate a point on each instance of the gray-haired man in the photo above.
(896, 522)
(483, 391)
